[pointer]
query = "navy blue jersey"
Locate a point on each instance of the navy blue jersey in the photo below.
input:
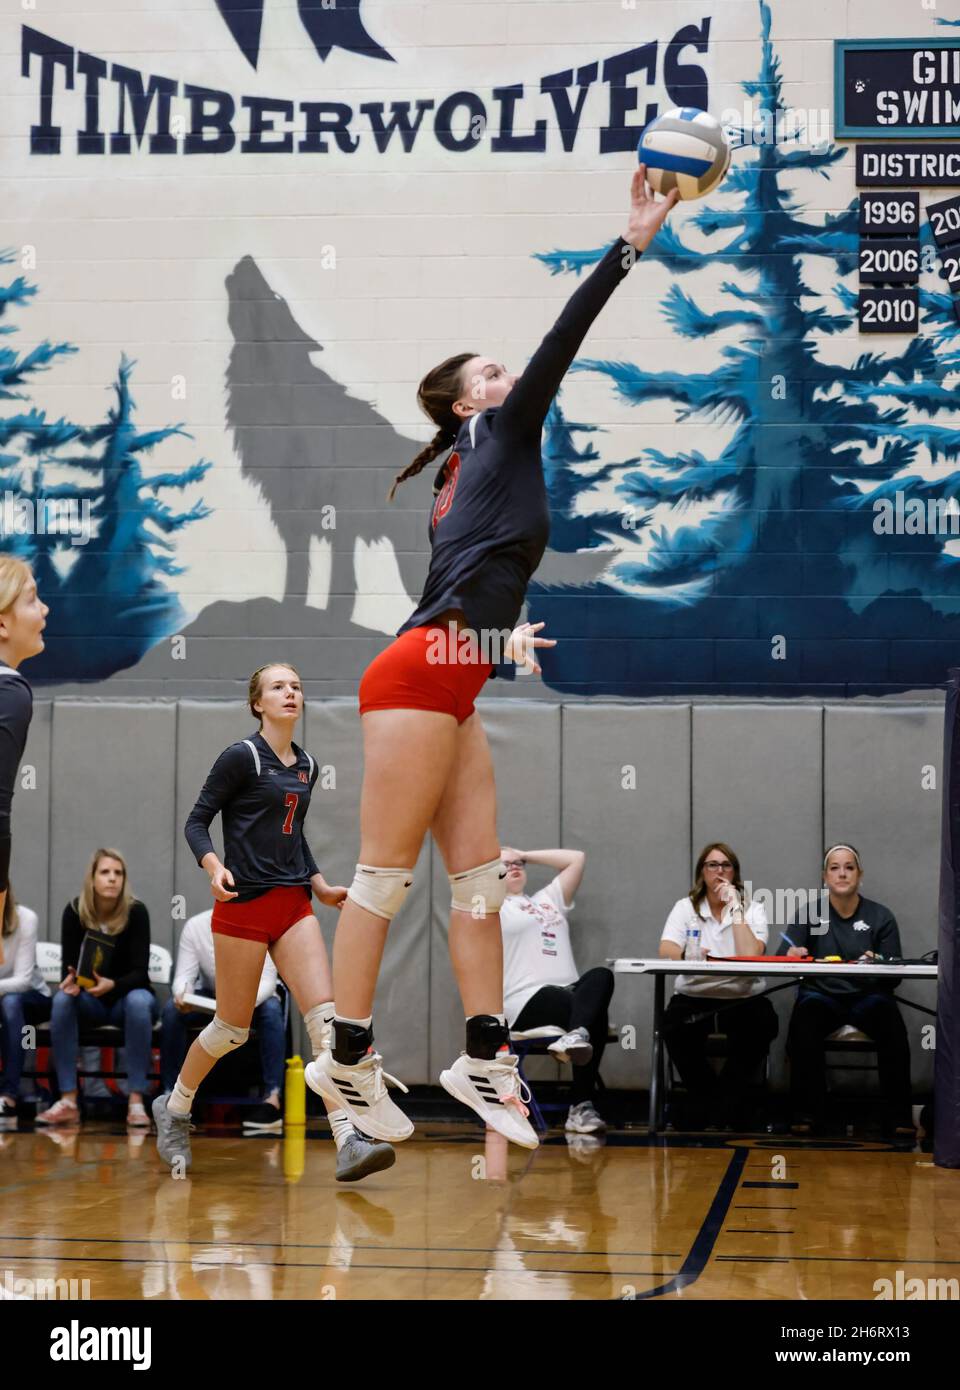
(262, 805)
(16, 711)
(491, 520)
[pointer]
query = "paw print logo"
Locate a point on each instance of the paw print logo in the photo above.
(860, 86)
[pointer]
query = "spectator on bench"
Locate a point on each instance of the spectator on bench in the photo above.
(125, 998)
(727, 927)
(541, 983)
(858, 927)
(24, 996)
(196, 966)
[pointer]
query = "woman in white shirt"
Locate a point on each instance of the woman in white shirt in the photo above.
(714, 920)
(541, 982)
(24, 997)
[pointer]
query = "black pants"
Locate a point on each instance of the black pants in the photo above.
(815, 1016)
(583, 1005)
(750, 1026)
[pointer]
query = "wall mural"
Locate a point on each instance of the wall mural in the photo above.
(757, 568)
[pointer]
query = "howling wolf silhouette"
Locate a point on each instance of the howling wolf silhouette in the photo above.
(329, 26)
(308, 444)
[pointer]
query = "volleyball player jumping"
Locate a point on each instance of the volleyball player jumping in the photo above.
(261, 787)
(426, 760)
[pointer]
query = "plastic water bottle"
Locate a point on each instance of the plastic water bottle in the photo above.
(295, 1093)
(693, 949)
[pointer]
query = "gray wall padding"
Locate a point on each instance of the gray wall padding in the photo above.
(639, 786)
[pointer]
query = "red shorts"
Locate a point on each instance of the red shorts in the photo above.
(265, 918)
(423, 669)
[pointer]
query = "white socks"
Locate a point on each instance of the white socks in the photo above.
(180, 1099)
(319, 1019)
(341, 1126)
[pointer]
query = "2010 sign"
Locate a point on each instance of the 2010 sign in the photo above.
(889, 214)
(889, 262)
(888, 311)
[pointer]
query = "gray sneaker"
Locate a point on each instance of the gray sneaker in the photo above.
(583, 1119)
(574, 1047)
(360, 1156)
(173, 1134)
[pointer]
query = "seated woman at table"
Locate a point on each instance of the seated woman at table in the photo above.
(727, 926)
(858, 928)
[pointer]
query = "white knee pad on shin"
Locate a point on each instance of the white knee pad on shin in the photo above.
(219, 1038)
(481, 890)
(380, 891)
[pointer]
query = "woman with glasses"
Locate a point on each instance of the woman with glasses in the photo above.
(714, 920)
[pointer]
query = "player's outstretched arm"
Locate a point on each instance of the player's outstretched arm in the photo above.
(524, 410)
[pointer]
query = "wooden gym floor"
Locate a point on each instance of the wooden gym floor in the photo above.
(458, 1217)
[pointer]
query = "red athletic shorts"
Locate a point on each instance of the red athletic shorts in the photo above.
(423, 669)
(265, 918)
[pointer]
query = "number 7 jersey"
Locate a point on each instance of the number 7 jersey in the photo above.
(262, 805)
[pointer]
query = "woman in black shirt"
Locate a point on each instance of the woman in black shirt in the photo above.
(260, 787)
(858, 928)
(426, 760)
(124, 998)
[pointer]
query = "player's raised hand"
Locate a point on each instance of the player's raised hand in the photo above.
(647, 215)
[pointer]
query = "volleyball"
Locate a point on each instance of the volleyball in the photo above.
(684, 149)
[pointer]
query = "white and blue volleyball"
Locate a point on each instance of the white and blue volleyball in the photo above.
(684, 149)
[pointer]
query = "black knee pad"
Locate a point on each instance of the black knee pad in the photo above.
(485, 1036)
(350, 1042)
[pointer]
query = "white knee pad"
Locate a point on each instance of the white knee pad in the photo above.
(481, 890)
(380, 891)
(219, 1038)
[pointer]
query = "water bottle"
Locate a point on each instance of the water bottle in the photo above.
(295, 1093)
(693, 949)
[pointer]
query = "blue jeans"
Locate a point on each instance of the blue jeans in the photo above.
(267, 1020)
(15, 1010)
(135, 1013)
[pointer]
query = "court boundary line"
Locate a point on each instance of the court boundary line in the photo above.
(706, 1238)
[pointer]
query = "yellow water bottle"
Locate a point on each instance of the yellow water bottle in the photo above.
(295, 1094)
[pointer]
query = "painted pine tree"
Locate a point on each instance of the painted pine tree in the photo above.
(766, 565)
(24, 429)
(113, 605)
(108, 602)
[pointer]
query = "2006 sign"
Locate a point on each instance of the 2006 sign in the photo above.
(888, 311)
(890, 262)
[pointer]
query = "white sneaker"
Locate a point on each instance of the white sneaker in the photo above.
(583, 1119)
(574, 1047)
(64, 1112)
(361, 1091)
(494, 1089)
